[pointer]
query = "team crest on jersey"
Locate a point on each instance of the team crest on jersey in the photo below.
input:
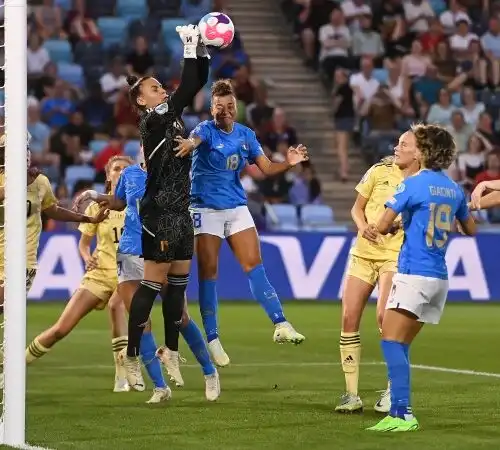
(400, 188)
(162, 108)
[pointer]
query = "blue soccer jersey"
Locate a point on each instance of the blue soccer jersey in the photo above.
(428, 202)
(130, 189)
(217, 165)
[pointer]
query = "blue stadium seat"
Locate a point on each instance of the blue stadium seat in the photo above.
(89, 53)
(168, 27)
(131, 9)
(71, 73)
(99, 187)
(64, 4)
(282, 217)
(195, 10)
(317, 216)
(60, 51)
(97, 146)
(381, 75)
(75, 173)
(132, 148)
(113, 30)
(438, 6)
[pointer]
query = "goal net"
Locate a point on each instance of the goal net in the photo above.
(12, 425)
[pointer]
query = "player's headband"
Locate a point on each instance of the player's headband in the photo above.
(138, 82)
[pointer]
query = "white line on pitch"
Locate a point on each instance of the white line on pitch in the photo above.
(299, 364)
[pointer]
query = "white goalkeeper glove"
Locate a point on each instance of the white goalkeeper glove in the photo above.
(189, 35)
(201, 49)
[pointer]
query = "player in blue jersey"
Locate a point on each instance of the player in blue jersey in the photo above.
(128, 193)
(222, 148)
(429, 202)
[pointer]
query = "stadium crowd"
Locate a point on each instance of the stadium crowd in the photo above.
(79, 114)
(390, 63)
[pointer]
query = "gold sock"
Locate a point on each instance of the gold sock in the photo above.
(35, 351)
(350, 354)
(118, 344)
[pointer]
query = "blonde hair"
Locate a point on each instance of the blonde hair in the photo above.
(109, 164)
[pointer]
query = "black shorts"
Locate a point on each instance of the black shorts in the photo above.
(167, 238)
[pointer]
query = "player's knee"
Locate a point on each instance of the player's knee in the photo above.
(208, 269)
(350, 320)
(251, 262)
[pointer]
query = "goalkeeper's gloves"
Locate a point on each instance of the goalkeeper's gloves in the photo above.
(189, 35)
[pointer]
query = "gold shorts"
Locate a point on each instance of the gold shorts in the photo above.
(369, 270)
(102, 284)
(30, 277)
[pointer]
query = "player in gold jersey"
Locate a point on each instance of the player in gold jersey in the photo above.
(373, 259)
(99, 282)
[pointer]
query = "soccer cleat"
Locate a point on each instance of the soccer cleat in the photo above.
(384, 402)
(133, 372)
(396, 424)
(219, 356)
(284, 332)
(160, 395)
(170, 359)
(121, 385)
(212, 387)
(349, 403)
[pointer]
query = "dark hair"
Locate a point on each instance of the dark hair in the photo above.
(135, 89)
(107, 168)
(221, 88)
(436, 145)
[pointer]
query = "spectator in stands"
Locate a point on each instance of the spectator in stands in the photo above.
(139, 61)
(62, 194)
(114, 148)
(41, 85)
(343, 118)
(471, 163)
(471, 108)
(305, 188)
(77, 127)
(225, 62)
(433, 37)
(461, 39)
(96, 111)
(244, 85)
(452, 16)
(279, 131)
(275, 189)
(492, 170)
(195, 9)
(313, 15)
(486, 133)
(354, 11)
(440, 112)
(335, 43)
(366, 41)
(460, 130)
(471, 68)
(40, 151)
(48, 18)
(80, 26)
(416, 63)
(260, 112)
(113, 80)
(389, 20)
(417, 15)
(38, 57)
(444, 63)
(125, 115)
(56, 106)
(364, 84)
(490, 43)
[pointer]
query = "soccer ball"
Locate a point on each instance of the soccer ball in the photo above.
(216, 29)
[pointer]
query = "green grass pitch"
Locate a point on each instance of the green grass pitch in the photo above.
(273, 396)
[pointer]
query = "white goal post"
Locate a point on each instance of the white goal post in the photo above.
(14, 394)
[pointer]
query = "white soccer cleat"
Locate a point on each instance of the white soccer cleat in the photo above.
(121, 385)
(133, 372)
(170, 359)
(212, 387)
(160, 395)
(349, 403)
(284, 332)
(384, 403)
(219, 356)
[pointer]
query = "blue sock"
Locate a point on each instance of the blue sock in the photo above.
(192, 335)
(147, 351)
(398, 366)
(207, 292)
(265, 294)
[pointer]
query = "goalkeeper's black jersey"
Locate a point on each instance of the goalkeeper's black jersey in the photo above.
(168, 180)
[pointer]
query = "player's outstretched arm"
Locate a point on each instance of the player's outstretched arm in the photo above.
(295, 155)
(65, 215)
(105, 200)
(186, 146)
(190, 82)
(386, 222)
(488, 201)
(477, 194)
